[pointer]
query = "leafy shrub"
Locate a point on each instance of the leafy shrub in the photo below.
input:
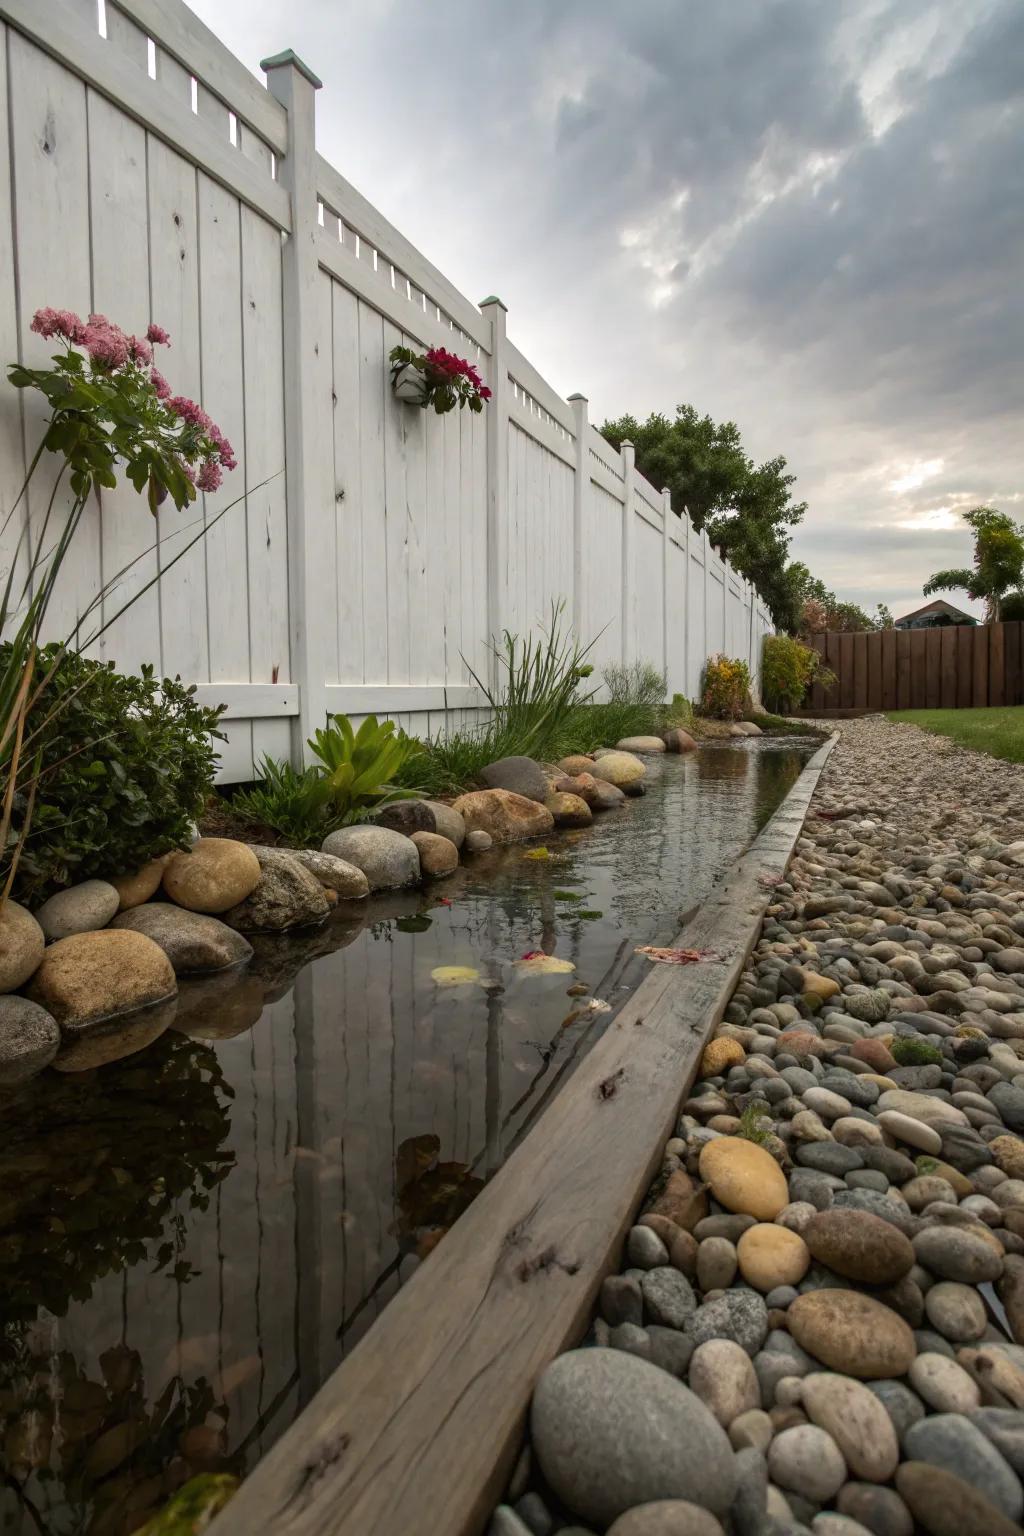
(122, 773)
(726, 691)
(298, 804)
(539, 679)
(359, 766)
(788, 670)
(1012, 607)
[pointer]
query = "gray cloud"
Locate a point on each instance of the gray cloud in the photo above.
(805, 217)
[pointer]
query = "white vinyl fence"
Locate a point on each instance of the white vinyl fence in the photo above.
(378, 546)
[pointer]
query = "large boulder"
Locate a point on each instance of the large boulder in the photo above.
(521, 775)
(22, 943)
(193, 942)
(387, 859)
(447, 822)
(115, 1039)
(346, 881)
(90, 977)
(578, 762)
(29, 1039)
(80, 909)
(678, 740)
(132, 890)
(649, 745)
(622, 769)
(507, 817)
(287, 895)
(569, 810)
(215, 874)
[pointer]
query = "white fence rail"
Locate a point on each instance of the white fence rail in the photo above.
(378, 546)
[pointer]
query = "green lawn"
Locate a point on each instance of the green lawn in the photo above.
(999, 732)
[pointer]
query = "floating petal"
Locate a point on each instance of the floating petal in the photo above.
(454, 975)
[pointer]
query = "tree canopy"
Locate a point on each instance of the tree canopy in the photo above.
(747, 509)
(998, 561)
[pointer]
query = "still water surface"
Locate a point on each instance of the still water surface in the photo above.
(193, 1236)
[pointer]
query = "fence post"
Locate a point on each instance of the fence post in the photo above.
(294, 85)
(685, 598)
(628, 462)
(497, 473)
(580, 486)
(705, 550)
(666, 553)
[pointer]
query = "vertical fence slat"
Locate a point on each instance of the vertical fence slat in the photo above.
(932, 667)
(964, 665)
(947, 667)
(996, 666)
(846, 672)
(980, 649)
(904, 670)
(860, 670)
(628, 545)
(1014, 637)
(889, 665)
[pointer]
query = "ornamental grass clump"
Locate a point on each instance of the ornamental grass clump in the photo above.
(110, 409)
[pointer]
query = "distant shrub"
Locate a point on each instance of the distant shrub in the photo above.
(123, 773)
(726, 689)
(788, 669)
(634, 707)
(1011, 607)
(679, 713)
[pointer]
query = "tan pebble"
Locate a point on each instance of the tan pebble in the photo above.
(771, 1255)
(744, 1177)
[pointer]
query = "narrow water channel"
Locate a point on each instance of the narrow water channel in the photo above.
(193, 1236)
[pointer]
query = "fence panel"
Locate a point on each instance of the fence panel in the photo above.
(955, 667)
(375, 548)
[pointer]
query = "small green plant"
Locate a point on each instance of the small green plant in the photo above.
(359, 767)
(538, 686)
(755, 1123)
(726, 691)
(789, 669)
(634, 707)
(125, 764)
(298, 803)
(679, 713)
(908, 1052)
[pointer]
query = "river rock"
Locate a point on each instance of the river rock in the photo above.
(95, 976)
(346, 881)
(438, 856)
(859, 1246)
(115, 1038)
(739, 1314)
(880, 1511)
(216, 873)
(81, 908)
(668, 1296)
(956, 1311)
(506, 817)
(193, 942)
(478, 841)
(29, 1039)
(857, 1422)
(943, 1384)
(852, 1333)
(770, 1256)
(576, 764)
(681, 1201)
(520, 775)
(951, 1441)
(921, 1106)
(723, 1378)
(406, 816)
(622, 769)
(569, 810)
(744, 1177)
(957, 1254)
(21, 945)
(611, 1431)
(650, 745)
(1005, 1428)
(887, 1207)
(388, 859)
(678, 740)
(665, 1517)
(913, 1132)
(1008, 1152)
(1007, 1099)
(139, 886)
(807, 1460)
(287, 895)
(944, 1505)
(448, 822)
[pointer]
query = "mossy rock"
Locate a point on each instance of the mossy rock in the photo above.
(911, 1052)
(193, 1507)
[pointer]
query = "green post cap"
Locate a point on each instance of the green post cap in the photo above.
(493, 299)
(276, 60)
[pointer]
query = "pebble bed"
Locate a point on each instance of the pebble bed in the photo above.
(819, 1322)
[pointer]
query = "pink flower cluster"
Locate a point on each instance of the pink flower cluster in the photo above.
(453, 367)
(223, 454)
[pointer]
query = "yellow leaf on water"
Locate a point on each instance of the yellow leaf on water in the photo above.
(536, 853)
(544, 965)
(454, 975)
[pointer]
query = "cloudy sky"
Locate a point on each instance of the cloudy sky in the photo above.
(804, 216)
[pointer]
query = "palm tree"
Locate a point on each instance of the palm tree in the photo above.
(998, 561)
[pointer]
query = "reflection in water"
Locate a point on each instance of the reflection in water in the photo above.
(191, 1238)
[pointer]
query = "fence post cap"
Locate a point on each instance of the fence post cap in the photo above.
(278, 60)
(492, 299)
(577, 396)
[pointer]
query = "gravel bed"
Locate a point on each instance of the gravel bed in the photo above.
(819, 1321)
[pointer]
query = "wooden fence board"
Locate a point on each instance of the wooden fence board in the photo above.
(860, 670)
(1014, 662)
(980, 688)
(845, 670)
(954, 667)
(996, 659)
(888, 649)
(903, 692)
(947, 654)
(932, 667)
(964, 665)
(918, 669)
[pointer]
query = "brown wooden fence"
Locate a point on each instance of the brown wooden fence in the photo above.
(960, 667)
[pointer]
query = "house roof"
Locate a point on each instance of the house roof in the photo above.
(939, 606)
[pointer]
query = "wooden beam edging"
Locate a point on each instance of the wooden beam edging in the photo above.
(416, 1432)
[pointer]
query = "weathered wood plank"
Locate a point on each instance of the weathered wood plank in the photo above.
(947, 667)
(996, 665)
(919, 669)
(979, 697)
(426, 1413)
(889, 664)
(964, 665)
(904, 658)
(1014, 662)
